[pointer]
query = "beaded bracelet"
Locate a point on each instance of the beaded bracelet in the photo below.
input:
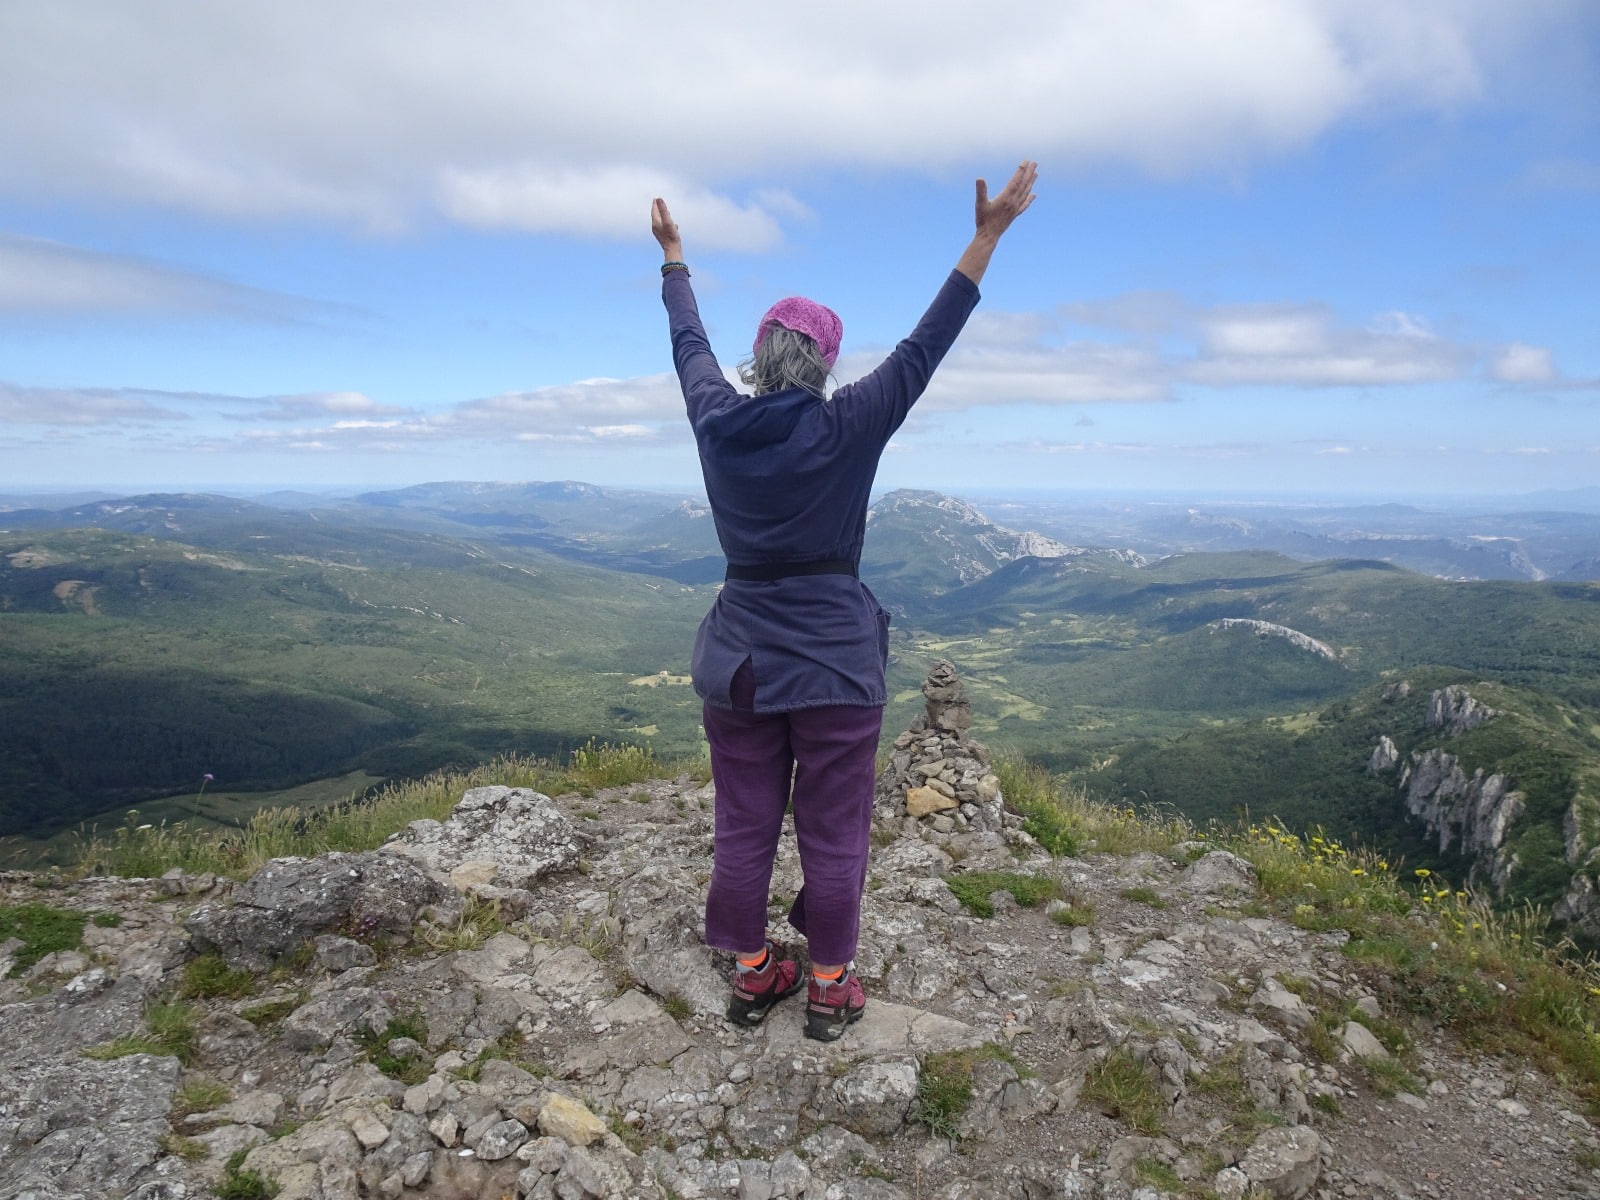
(673, 266)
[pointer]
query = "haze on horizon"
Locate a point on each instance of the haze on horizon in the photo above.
(1293, 248)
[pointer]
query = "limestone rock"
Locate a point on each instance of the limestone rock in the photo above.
(1286, 1163)
(1454, 710)
(291, 900)
(1219, 873)
(570, 1121)
(1474, 813)
(518, 831)
(922, 801)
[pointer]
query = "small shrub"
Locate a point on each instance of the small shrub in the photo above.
(973, 889)
(675, 1006)
(107, 920)
(208, 977)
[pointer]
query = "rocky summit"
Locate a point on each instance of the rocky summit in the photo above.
(516, 1002)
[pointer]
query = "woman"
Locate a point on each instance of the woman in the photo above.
(790, 660)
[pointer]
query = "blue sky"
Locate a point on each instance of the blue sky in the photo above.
(1279, 246)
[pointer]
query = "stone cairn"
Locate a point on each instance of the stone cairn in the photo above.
(938, 775)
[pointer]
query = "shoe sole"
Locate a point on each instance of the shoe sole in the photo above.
(830, 1026)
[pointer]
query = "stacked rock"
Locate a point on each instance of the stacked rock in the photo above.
(938, 774)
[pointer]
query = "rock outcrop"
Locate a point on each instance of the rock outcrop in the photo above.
(1454, 710)
(1300, 641)
(578, 1051)
(1472, 814)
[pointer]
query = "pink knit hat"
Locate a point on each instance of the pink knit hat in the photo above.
(821, 325)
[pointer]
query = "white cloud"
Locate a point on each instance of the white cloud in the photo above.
(346, 406)
(1306, 346)
(382, 111)
(608, 202)
(1519, 363)
(79, 407)
(44, 277)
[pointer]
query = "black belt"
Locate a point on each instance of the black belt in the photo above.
(768, 572)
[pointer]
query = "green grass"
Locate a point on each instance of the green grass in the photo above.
(43, 930)
(1157, 1174)
(1500, 981)
(408, 1069)
(200, 1094)
(944, 1086)
(1121, 1088)
(480, 920)
(1074, 915)
(208, 977)
(1143, 895)
(238, 1184)
(186, 1148)
(974, 887)
(170, 1030)
(271, 1011)
(147, 850)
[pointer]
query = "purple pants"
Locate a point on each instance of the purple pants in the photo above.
(829, 752)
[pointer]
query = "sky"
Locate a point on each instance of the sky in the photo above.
(1279, 246)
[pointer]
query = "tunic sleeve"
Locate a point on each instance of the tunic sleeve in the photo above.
(698, 371)
(877, 404)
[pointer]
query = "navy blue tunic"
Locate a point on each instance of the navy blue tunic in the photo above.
(788, 475)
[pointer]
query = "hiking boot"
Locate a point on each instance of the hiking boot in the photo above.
(833, 1006)
(754, 992)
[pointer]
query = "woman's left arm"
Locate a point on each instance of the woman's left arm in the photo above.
(698, 371)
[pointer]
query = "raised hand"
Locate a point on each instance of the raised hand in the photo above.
(994, 217)
(665, 230)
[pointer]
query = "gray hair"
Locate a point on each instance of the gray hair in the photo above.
(785, 359)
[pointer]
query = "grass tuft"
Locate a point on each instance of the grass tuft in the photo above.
(410, 1069)
(973, 889)
(170, 1030)
(208, 977)
(238, 1184)
(1123, 1090)
(41, 929)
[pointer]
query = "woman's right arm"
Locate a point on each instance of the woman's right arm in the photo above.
(877, 404)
